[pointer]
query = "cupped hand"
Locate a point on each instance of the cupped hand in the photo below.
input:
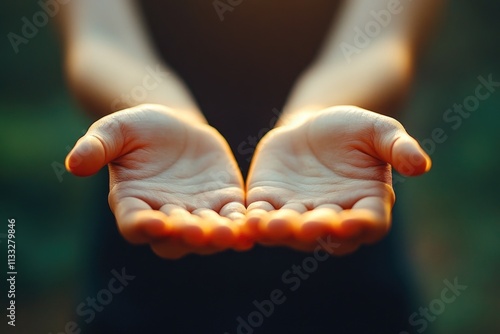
(174, 182)
(329, 175)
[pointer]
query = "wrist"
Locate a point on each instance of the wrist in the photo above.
(299, 115)
(187, 115)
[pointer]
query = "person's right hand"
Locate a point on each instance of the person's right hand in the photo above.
(174, 182)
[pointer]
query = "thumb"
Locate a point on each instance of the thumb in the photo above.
(102, 143)
(401, 150)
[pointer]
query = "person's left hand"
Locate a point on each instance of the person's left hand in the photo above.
(329, 175)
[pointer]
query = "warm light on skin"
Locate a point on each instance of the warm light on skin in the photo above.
(373, 81)
(98, 49)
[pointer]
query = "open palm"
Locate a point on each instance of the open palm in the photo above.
(173, 182)
(330, 174)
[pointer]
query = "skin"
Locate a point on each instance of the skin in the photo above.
(325, 170)
(173, 184)
(329, 174)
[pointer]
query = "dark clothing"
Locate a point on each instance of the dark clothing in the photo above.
(239, 70)
(365, 292)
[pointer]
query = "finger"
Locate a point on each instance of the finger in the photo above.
(368, 220)
(194, 228)
(244, 243)
(315, 224)
(394, 145)
(172, 209)
(408, 158)
(297, 207)
(225, 234)
(257, 213)
(250, 228)
(103, 142)
(190, 228)
(109, 138)
(87, 156)
(205, 228)
(191, 234)
(261, 205)
(137, 222)
(233, 211)
(222, 232)
(334, 207)
(279, 225)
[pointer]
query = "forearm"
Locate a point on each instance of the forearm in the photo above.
(106, 79)
(373, 72)
(377, 80)
(111, 63)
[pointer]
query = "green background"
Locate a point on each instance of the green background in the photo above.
(453, 225)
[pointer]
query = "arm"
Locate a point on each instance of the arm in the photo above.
(174, 183)
(111, 63)
(370, 72)
(325, 170)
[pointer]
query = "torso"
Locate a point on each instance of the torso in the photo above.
(240, 68)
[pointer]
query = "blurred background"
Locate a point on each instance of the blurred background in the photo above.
(453, 225)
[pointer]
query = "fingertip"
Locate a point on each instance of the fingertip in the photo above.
(223, 236)
(194, 235)
(189, 227)
(315, 224)
(233, 211)
(137, 222)
(144, 226)
(86, 158)
(355, 221)
(363, 225)
(220, 231)
(350, 229)
(409, 158)
(277, 228)
(154, 226)
(280, 224)
(252, 221)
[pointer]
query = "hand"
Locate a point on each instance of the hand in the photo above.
(173, 182)
(329, 174)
